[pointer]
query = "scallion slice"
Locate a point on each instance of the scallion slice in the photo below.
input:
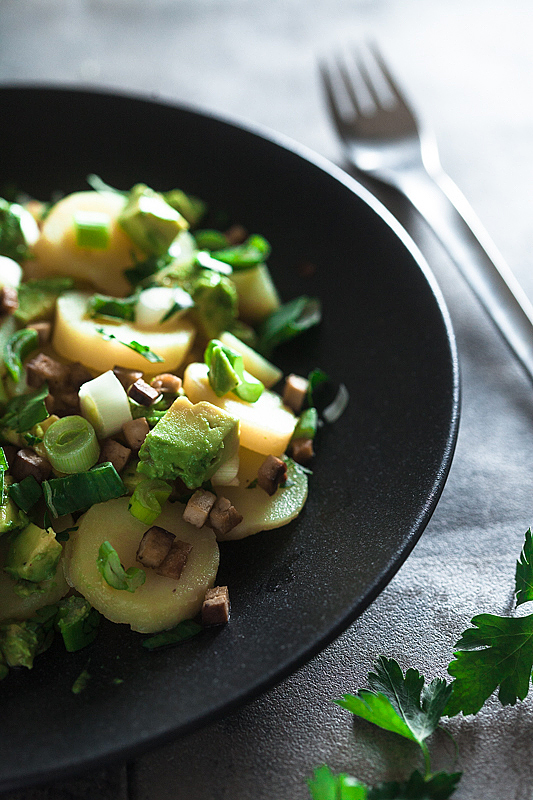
(142, 349)
(4, 466)
(71, 444)
(108, 563)
(288, 321)
(82, 490)
(26, 492)
(183, 631)
(227, 373)
(92, 230)
(255, 250)
(78, 623)
(25, 410)
(101, 305)
(148, 498)
(306, 425)
(17, 348)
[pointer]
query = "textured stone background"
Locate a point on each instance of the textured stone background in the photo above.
(468, 65)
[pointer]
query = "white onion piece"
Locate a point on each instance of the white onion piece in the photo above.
(226, 474)
(183, 248)
(154, 303)
(337, 408)
(104, 403)
(10, 272)
(30, 229)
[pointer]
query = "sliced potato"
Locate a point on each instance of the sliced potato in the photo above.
(161, 602)
(254, 362)
(76, 338)
(57, 253)
(266, 425)
(258, 296)
(260, 512)
(14, 607)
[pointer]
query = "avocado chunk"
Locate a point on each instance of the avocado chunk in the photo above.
(150, 221)
(20, 642)
(190, 442)
(38, 298)
(33, 554)
(215, 303)
(11, 517)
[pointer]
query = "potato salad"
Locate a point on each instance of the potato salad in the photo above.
(143, 421)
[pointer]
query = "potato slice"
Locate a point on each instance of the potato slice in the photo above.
(266, 425)
(258, 296)
(57, 253)
(254, 362)
(161, 602)
(14, 607)
(259, 511)
(77, 338)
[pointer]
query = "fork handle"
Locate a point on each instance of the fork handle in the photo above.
(447, 211)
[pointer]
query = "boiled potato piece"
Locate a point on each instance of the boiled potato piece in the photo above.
(57, 253)
(266, 425)
(260, 512)
(77, 339)
(14, 607)
(158, 604)
(258, 296)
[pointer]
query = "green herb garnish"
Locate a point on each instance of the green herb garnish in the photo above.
(108, 563)
(101, 305)
(82, 490)
(288, 321)
(25, 410)
(142, 349)
(255, 250)
(183, 631)
(17, 348)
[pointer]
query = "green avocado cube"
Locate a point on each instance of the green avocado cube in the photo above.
(150, 221)
(33, 554)
(190, 442)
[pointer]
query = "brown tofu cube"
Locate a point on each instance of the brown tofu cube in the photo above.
(43, 368)
(216, 607)
(64, 404)
(27, 462)
(175, 560)
(135, 432)
(127, 376)
(44, 331)
(167, 383)
(154, 546)
(78, 375)
(271, 473)
(9, 300)
(114, 452)
(223, 517)
(301, 450)
(294, 392)
(198, 508)
(143, 393)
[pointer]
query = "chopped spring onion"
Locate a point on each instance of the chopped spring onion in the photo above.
(227, 373)
(288, 321)
(26, 493)
(38, 297)
(183, 631)
(208, 262)
(209, 239)
(142, 349)
(100, 305)
(17, 348)
(10, 272)
(190, 207)
(182, 301)
(77, 622)
(96, 183)
(80, 684)
(255, 250)
(148, 498)
(226, 474)
(4, 466)
(104, 402)
(143, 270)
(108, 563)
(335, 409)
(317, 377)
(82, 490)
(306, 425)
(71, 445)
(92, 230)
(25, 410)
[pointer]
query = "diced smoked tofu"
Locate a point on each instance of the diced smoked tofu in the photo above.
(43, 368)
(271, 473)
(27, 462)
(215, 608)
(135, 432)
(114, 452)
(175, 560)
(198, 508)
(294, 392)
(44, 331)
(9, 300)
(127, 376)
(301, 451)
(143, 393)
(155, 546)
(166, 382)
(223, 517)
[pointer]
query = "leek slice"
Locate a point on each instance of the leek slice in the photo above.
(148, 498)
(71, 445)
(82, 490)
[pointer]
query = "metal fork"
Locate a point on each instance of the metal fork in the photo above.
(383, 138)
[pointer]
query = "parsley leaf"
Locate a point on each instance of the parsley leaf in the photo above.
(325, 785)
(524, 572)
(142, 349)
(498, 651)
(402, 704)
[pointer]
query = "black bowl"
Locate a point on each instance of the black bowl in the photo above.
(380, 468)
